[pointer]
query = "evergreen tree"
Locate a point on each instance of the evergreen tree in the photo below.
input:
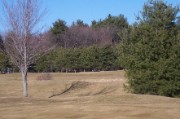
(1, 44)
(151, 55)
(80, 23)
(58, 32)
(107, 58)
(59, 27)
(4, 62)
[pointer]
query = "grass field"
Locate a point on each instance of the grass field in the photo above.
(80, 96)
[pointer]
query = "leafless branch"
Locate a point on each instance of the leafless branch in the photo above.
(23, 43)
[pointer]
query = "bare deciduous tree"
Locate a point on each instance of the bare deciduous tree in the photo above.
(24, 44)
(84, 36)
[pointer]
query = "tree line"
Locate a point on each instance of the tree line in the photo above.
(85, 48)
(94, 46)
(93, 58)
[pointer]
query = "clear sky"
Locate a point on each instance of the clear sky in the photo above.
(88, 10)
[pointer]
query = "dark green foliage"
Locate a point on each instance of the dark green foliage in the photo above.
(151, 55)
(107, 58)
(80, 23)
(1, 44)
(59, 27)
(93, 58)
(89, 58)
(72, 59)
(57, 32)
(4, 62)
(112, 21)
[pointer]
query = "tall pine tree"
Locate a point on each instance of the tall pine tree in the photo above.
(151, 55)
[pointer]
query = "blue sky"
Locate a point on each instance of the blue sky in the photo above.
(88, 10)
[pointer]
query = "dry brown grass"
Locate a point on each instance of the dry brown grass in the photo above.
(80, 96)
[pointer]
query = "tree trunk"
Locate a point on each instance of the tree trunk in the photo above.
(66, 70)
(25, 85)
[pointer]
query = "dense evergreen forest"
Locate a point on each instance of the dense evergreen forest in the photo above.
(148, 50)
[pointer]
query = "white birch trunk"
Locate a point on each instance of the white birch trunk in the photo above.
(24, 44)
(25, 84)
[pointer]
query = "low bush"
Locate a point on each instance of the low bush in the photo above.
(46, 76)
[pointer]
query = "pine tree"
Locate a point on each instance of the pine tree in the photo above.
(151, 54)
